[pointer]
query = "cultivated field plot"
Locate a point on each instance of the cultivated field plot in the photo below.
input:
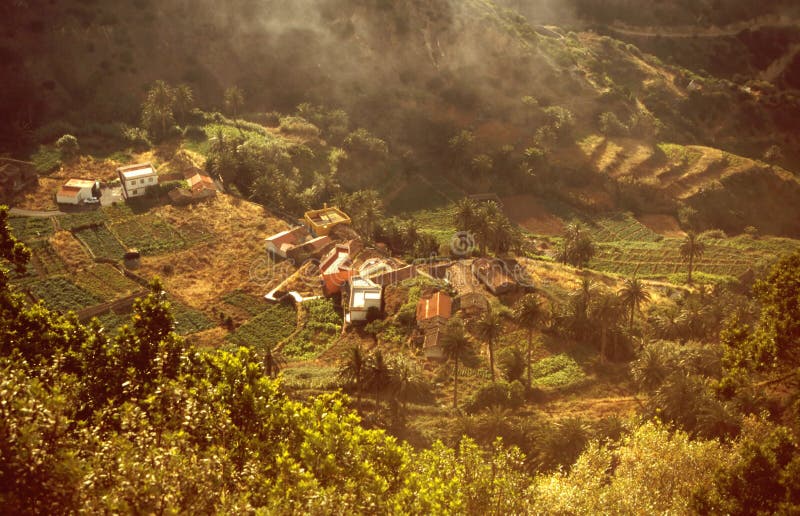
(250, 304)
(188, 320)
(29, 229)
(81, 220)
(322, 327)
(106, 282)
(148, 234)
(60, 294)
(44, 259)
(622, 227)
(267, 329)
(666, 259)
(101, 242)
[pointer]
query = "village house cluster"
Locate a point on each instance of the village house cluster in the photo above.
(345, 267)
(138, 180)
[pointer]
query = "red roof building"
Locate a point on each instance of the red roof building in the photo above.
(281, 243)
(434, 309)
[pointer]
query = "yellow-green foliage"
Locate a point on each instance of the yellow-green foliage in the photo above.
(652, 471)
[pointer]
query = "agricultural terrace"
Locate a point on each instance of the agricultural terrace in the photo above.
(61, 294)
(722, 257)
(106, 282)
(101, 242)
(266, 329)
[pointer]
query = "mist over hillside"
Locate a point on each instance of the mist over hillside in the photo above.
(400, 256)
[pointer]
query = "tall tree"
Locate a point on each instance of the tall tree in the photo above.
(456, 347)
(528, 313)
(632, 294)
(692, 248)
(234, 101)
(184, 101)
(578, 246)
(579, 303)
(466, 216)
(158, 109)
(379, 373)
(490, 327)
(605, 312)
(354, 369)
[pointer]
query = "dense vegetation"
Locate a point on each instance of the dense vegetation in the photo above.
(140, 421)
(573, 141)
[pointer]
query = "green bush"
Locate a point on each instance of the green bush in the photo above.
(194, 133)
(610, 125)
(136, 137)
(557, 372)
(298, 126)
(68, 146)
(501, 394)
(46, 159)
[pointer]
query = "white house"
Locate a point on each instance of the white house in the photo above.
(135, 179)
(75, 191)
(364, 294)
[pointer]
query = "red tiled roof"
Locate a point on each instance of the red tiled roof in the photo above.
(437, 305)
(69, 191)
(201, 182)
(290, 236)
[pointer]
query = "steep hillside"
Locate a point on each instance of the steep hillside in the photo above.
(469, 90)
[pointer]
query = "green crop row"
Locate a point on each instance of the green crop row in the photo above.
(266, 329)
(61, 294)
(101, 242)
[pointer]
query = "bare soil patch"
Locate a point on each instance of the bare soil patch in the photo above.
(528, 212)
(232, 258)
(70, 250)
(666, 225)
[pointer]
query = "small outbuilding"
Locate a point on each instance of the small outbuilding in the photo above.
(321, 222)
(76, 191)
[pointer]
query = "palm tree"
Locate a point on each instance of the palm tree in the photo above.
(406, 381)
(184, 100)
(578, 246)
(692, 247)
(580, 301)
(379, 372)
(655, 363)
(456, 347)
(490, 327)
(157, 110)
(273, 362)
(489, 222)
(234, 100)
(632, 294)
(528, 313)
(354, 369)
(605, 313)
(466, 217)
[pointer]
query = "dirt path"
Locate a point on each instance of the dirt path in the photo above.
(777, 67)
(34, 213)
(705, 32)
(594, 407)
